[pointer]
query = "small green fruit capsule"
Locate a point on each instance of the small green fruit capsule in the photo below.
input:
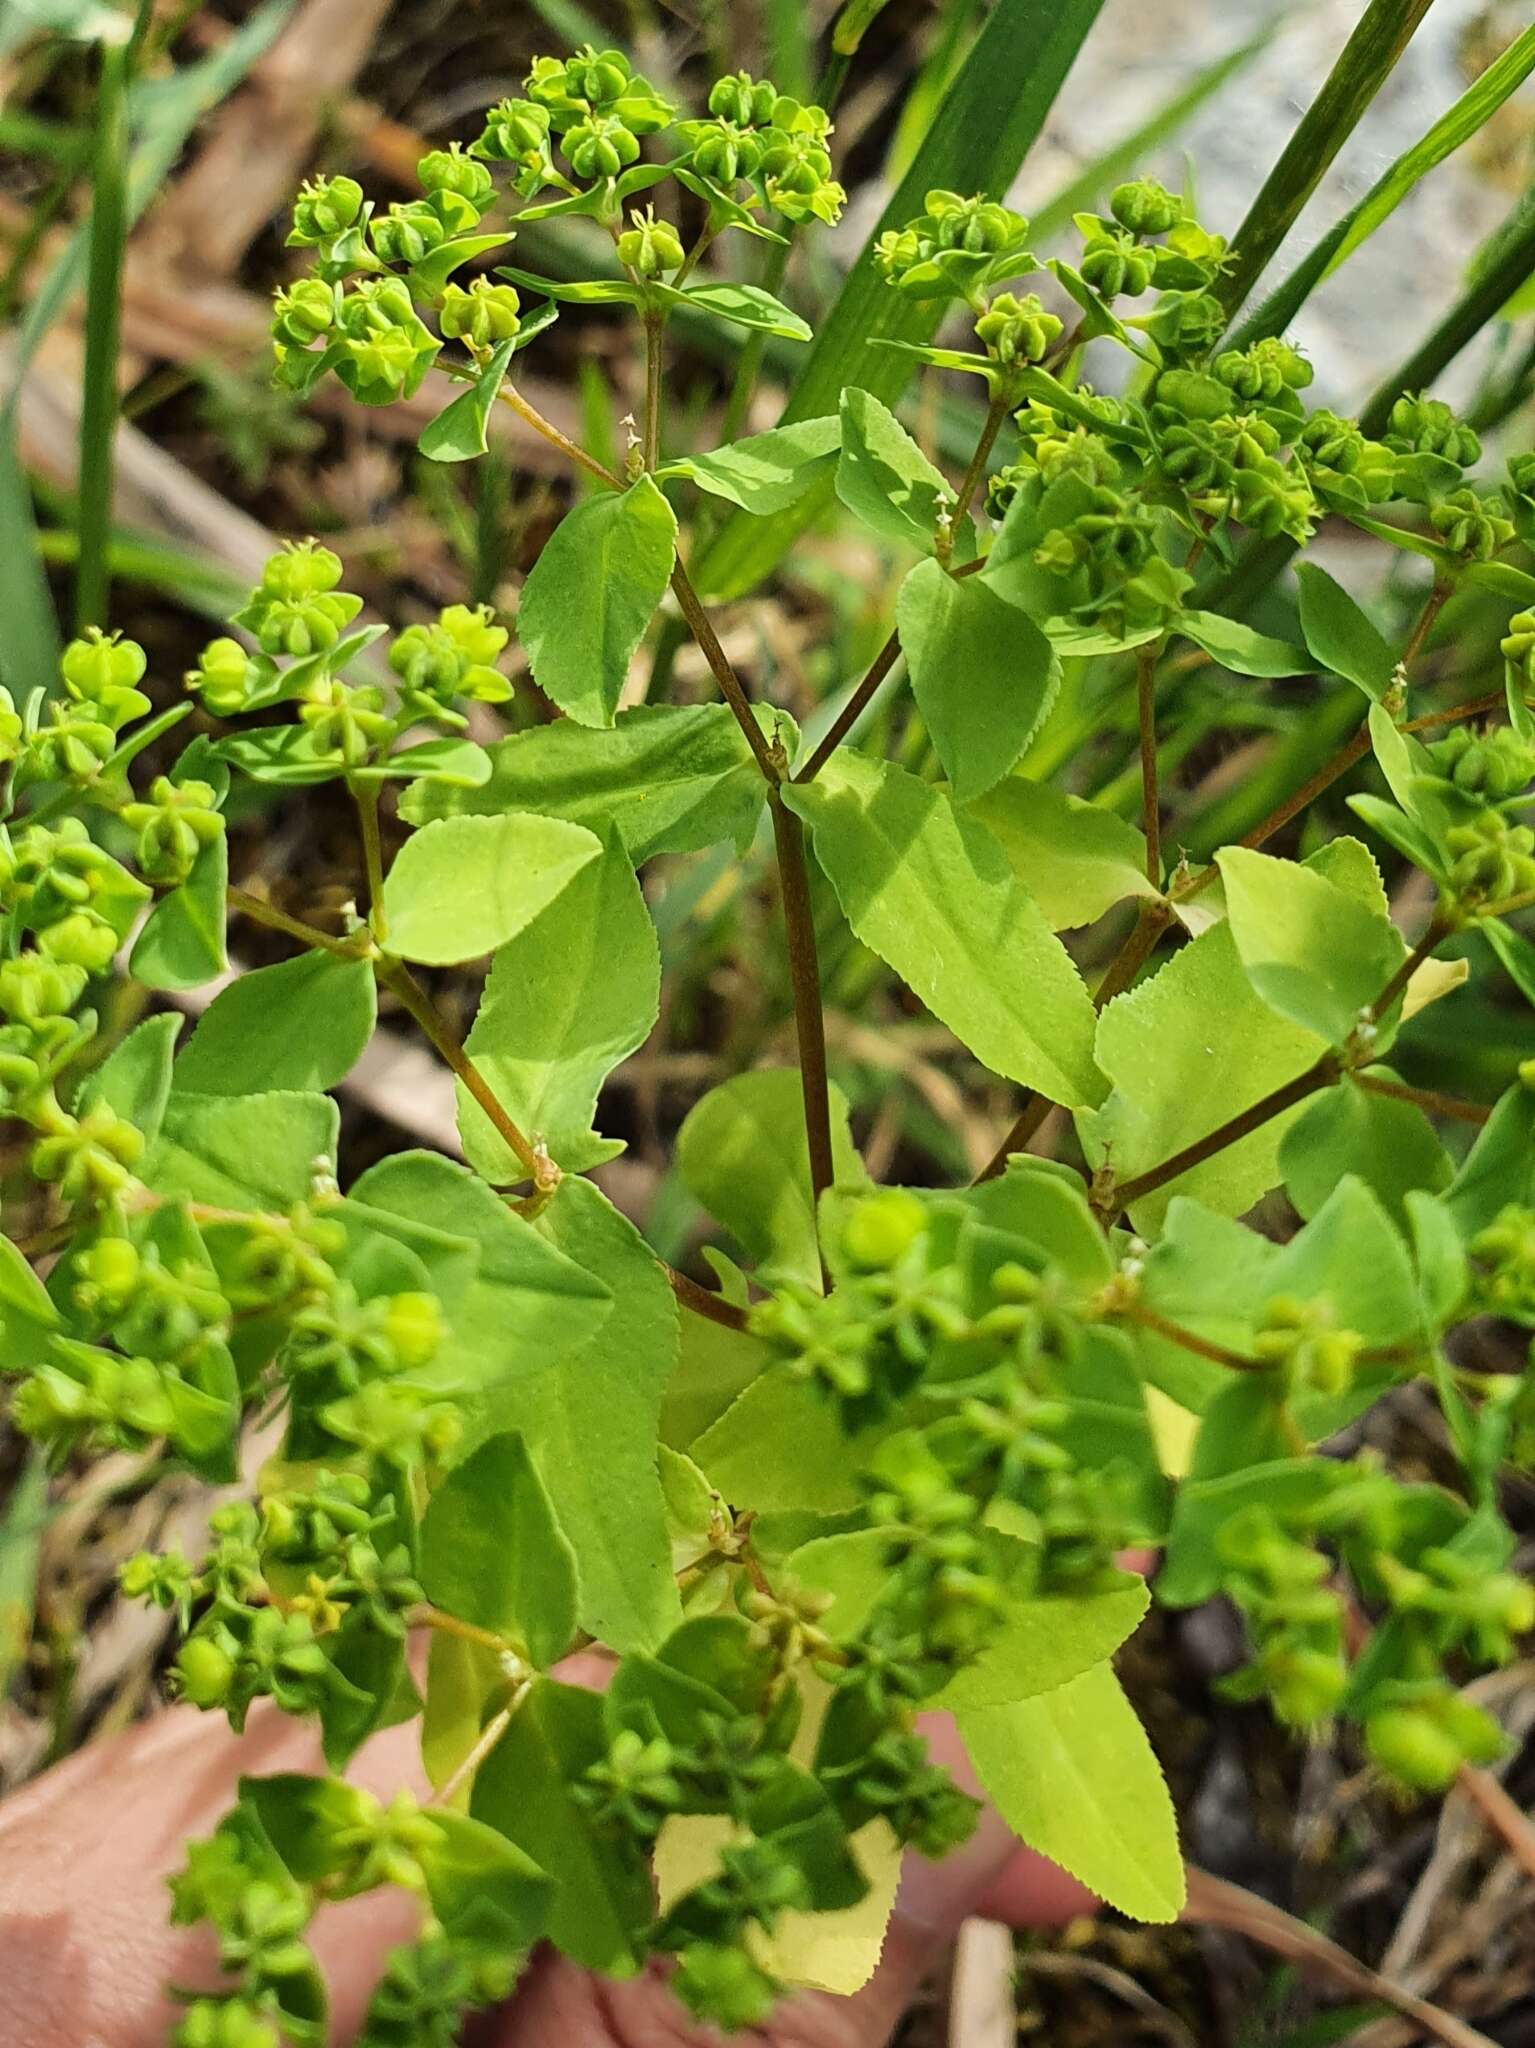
(222, 677)
(600, 147)
(882, 1228)
(516, 131)
(325, 209)
(449, 170)
(203, 1673)
(414, 1327)
(82, 940)
(1410, 1745)
(1145, 208)
(723, 1985)
(99, 663)
(649, 246)
(482, 315)
(746, 101)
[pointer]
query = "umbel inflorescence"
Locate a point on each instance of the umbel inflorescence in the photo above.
(895, 1464)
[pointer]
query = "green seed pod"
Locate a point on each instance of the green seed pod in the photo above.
(407, 232)
(1265, 371)
(324, 209)
(482, 315)
(226, 2023)
(32, 988)
(977, 225)
(304, 312)
(516, 132)
(599, 146)
(880, 1229)
(724, 152)
(80, 940)
(203, 1674)
(1115, 265)
(450, 170)
(224, 677)
(98, 664)
(1427, 426)
(742, 100)
(649, 246)
(1184, 324)
(1145, 208)
(1016, 330)
(1471, 525)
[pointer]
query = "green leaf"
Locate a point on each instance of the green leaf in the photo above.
(244, 1151)
(1340, 636)
(993, 109)
(493, 1552)
(982, 672)
(1312, 950)
(1239, 648)
(460, 887)
(744, 305)
(21, 1292)
(934, 896)
(22, 1522)
(668, 778)
(566, 1000)
(743, 1154)
(599, 291)
(1075, 858)
(590, 595)
(282, 756)
(1500, 1167)
(487, 1894)
(456, 763)
(781, 1444)
(1515, 954)
(528, 1309)
(135, 1078)
(1034, 1203)
(302, 1024)
(1352, 1254)
(715, 1363)
(1207, 1273)
(883, 477)
(1390, 1144)
(1186, 1049)
(765, 472)
(1469, 113)
(460, 430)
(1045, 1643)
(182, 942)
(461, 1678)
(592, 1420)
(525, 1790)
(1074, 1776)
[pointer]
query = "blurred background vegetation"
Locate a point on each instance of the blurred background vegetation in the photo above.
(148, 466)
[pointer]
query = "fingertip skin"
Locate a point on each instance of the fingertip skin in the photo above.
(87, 1950)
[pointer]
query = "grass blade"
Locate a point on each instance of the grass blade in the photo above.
(103, 332)
(1470, 112)
(1505, 263)
(1365, 62)
(985, 125)
(1124, 157)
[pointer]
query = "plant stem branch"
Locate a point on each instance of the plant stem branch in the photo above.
(1428, 1099)
(1190, 1340)
(706, 1302)
(1026, 1123)
(1119, 1195)
(365, 797)
(853, 709)
(1151, 802)
(395, 975)
(804, 975)
(510, 396)
(724, 674)
(262, 912)
(996, 413)
(655, 324)
(490, 1735)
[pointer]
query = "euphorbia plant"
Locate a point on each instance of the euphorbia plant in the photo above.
(891, 1461)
